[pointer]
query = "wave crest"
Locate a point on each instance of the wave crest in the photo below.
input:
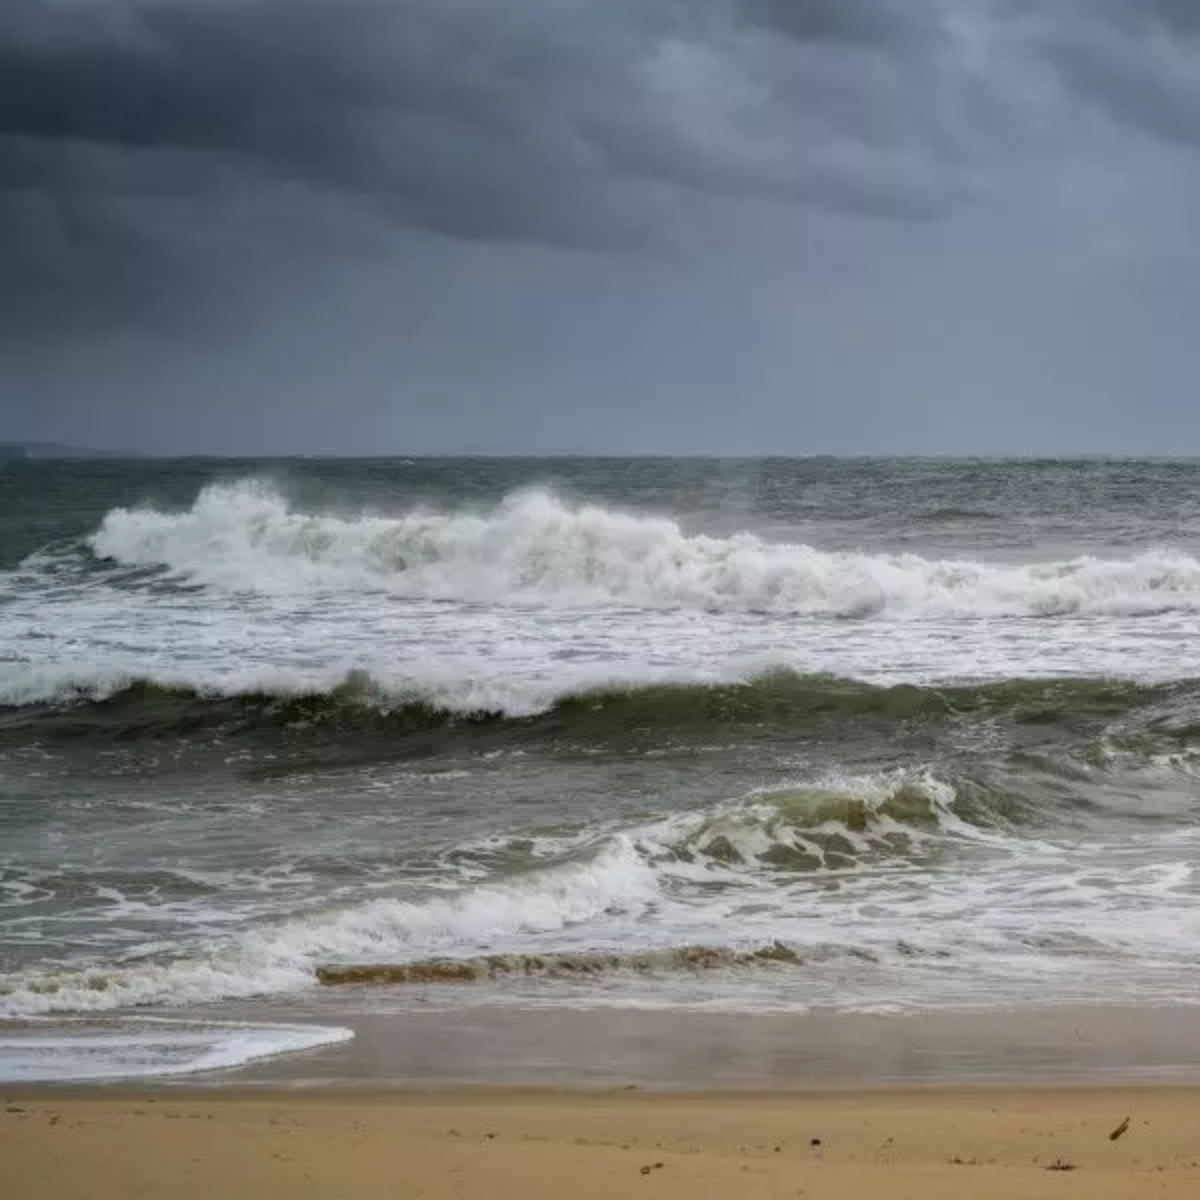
(534, 548)
(833, 826)
(784, 700)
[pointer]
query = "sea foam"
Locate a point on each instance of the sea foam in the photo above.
(282, 958)
(536, 549)
(77, 1052)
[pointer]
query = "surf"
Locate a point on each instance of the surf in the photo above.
(789, 700)
(536, 548)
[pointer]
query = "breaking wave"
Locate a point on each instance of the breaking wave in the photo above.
(783, 699)
(284, 958)
(536, 549)
(586, 890)
(735, 887)
(832, 825)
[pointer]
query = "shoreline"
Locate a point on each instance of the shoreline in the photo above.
(676, 1052)
(664, 1052)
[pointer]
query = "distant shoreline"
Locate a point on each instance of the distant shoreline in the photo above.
(51, 451)
(38, 451)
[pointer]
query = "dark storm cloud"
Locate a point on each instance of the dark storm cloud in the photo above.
(437, 110)
(1136, 60)
(467, 117)
(135, 137)
(159, 155)
(865, 21)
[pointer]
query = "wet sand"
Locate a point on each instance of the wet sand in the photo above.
(706, 1051)
(988, 1143)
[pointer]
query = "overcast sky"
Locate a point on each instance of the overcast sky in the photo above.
(691, 226)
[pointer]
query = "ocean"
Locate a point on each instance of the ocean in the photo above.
(763, 736)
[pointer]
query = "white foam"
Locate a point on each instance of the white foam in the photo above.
(564, 598)
(282, 958)
(148, 1049)
(535, 549)
(23, 683)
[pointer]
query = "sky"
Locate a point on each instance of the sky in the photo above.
(601, 226)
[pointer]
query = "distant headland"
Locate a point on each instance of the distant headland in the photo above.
(10, 451)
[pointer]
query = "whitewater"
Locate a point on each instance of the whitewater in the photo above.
(773, 736)
(512, 606)
(534, 549)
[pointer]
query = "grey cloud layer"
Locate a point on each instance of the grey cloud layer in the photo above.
(158, 150)
(531, 119)
(1138, 60)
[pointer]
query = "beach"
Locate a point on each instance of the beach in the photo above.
(905, 1144)
(1095, 1102)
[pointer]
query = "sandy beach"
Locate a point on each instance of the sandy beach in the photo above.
(901, 1144)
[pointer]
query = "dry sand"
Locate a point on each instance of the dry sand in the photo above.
(923, 1144)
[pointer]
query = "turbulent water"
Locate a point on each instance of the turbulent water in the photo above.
(870, 735)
